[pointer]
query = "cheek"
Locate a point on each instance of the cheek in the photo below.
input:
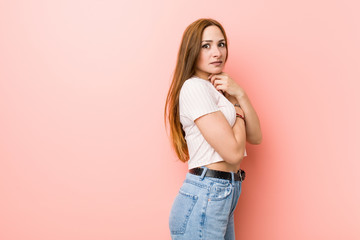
(201, 60)
(224, 52)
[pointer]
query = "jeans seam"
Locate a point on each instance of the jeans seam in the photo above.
(196, 183)
(203, 211)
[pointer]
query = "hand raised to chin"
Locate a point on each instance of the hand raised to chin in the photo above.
(226, 84)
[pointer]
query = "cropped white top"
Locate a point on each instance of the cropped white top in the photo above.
(197, 98)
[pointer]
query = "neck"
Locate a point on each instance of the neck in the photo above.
(202, 75)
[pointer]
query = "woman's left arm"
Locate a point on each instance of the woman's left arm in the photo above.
(253, 131)
(233, 92)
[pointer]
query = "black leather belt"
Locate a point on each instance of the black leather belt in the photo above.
(239, 176)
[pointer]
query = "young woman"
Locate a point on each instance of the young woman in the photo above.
(210, 119)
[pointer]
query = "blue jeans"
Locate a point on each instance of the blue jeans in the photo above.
(204, 208)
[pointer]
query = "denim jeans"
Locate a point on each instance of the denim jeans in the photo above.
(204, 208)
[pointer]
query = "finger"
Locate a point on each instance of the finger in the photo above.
(218, 82)
(209, 77)
(224, 85)
(214, 77)
(220, 87)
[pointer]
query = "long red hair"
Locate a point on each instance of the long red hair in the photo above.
(185, 68)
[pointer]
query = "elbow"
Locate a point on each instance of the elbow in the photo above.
(237, 156)
(255, 141)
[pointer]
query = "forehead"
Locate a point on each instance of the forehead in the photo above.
(212, 33)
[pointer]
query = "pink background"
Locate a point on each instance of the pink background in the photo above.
(83, 149)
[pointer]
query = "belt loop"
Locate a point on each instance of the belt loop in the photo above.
(232, 178)
(203, 173)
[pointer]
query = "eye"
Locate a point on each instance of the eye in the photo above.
(222, 44)
(205, 46)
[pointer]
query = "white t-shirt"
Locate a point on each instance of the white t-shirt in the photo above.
(197, 98)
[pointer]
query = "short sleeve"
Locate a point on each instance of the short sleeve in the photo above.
(196, 100)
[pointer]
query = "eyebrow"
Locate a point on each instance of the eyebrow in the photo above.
(212, 40)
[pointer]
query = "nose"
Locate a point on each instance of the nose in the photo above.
(216, 52)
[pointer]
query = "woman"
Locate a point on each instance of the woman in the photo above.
(210, 119)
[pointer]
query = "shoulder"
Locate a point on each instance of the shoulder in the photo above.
(195, 84)
(198, 81)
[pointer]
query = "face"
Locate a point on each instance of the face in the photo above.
(212, 55)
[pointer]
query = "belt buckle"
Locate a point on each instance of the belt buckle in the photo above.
(240, 171)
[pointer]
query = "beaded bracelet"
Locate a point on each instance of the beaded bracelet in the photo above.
(240, 116)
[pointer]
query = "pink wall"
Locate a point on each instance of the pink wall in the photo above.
(83, 150)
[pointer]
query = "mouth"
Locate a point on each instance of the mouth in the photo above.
(217, 62)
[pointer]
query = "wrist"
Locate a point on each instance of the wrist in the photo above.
(239, 92)
(241, 116)
(241, 98)
(238, 109)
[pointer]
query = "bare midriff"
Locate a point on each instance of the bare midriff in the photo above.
(224, 166)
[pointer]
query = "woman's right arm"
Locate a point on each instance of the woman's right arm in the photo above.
(228, 142)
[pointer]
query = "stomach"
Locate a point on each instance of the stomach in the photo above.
(224, 166)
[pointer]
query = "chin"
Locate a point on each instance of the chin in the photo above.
(216, 72)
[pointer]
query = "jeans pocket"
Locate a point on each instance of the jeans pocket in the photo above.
(220, 191)
(180, 212)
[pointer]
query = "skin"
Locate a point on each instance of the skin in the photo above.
(228, 142)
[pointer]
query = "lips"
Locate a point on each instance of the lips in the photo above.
(217, 64)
